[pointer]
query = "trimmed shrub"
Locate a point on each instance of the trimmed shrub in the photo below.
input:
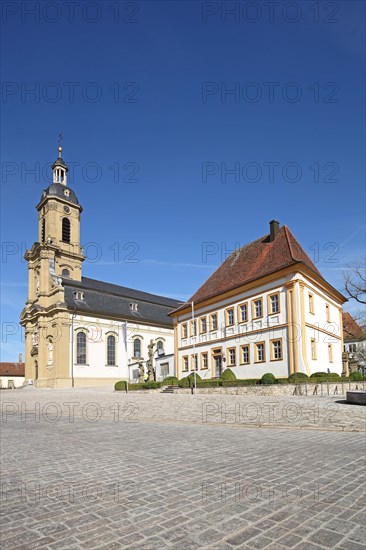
(228, 374)
(184, 382)
(170, 381)
(355, 376)
(120, 386)
(268, 378)
(191, 377)
(287, 381)
(318, 374)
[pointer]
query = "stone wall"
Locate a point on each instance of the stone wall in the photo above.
(321, 389)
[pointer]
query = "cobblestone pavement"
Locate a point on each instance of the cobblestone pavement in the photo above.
(97, 469)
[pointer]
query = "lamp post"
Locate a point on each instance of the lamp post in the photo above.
(194, 349)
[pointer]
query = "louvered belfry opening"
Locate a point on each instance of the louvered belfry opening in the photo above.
(66, 230)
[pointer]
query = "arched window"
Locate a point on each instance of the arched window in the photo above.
(81, 348)
(66, 230)
(65, 273)
(160, 347)
(111, 350)
(137, 347)
(43, 230)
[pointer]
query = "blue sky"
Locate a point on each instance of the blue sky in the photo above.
(157, 104)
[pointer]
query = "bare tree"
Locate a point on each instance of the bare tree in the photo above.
(355, 282)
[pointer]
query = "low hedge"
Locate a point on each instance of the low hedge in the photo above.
(239, 382)
(209, 383)
(356, 376)
(135, 387)
(151, 385)
(170, 381)
(297, 376)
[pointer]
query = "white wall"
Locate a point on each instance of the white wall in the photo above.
(18, 381)
(269, 327)
(98, 331)
(325, 331)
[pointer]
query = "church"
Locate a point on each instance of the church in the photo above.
(80, 331)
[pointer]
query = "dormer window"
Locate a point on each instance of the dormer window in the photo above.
(79, 295)
(134, 306)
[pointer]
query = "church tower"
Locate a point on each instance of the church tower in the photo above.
(55, 256)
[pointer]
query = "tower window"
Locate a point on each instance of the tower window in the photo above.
(65, 273)
(66, 230)
(43, 236)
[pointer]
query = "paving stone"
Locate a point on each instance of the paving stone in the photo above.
(268, 476)
(243, 536)
(259, 542)
(350, 545)
(358, 535)
(326, 538)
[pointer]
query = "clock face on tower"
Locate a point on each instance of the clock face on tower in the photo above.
(66, 209)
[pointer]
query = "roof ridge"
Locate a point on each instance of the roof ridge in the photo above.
(135, 290)
(286, 230)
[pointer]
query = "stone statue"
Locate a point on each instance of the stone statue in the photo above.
(141, 372)
(150, 363)
(35, 338)
(37, 282)
(50, 353)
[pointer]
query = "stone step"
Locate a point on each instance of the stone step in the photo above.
(169, 389)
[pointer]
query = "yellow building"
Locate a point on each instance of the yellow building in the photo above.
(267, 308)
(79, 331)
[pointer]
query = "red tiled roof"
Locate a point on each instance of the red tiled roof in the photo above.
(12, 369)
(253, 261)
(351, 330)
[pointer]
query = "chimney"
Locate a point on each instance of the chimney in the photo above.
(274, 227)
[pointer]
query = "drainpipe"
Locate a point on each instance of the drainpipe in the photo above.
(72, 347)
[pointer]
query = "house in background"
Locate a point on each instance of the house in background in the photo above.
(267, 308)
(80, 331)
(12, 374)
(354, 344)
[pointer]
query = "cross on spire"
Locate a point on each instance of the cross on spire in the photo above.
(60, 145)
